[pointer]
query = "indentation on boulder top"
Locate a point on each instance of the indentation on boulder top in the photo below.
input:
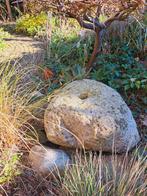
(84, 95)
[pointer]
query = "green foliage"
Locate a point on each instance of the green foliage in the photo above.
(3, 35)
(68, 53)
(2, 44)
(31, 24)
(121, 71)
(126, 74)
(132, 34)
(9, 166)
(67, 57)
(145, 18)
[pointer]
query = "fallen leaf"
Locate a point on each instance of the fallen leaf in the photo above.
(48, 73)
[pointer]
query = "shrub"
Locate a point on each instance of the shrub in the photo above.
(67, 49)
(31, 24)
(68, 52)
(131, 33)
(126, 74)
(121, 71)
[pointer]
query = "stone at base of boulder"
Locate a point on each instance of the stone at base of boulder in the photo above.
(47, 161)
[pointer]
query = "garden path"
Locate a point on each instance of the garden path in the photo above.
(24, 49)
(27, 53)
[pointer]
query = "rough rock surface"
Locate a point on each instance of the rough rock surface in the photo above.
(89, 114)
(85, 34)
(46, 160)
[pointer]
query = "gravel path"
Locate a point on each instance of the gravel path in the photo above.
(25, 49)
(26, 52)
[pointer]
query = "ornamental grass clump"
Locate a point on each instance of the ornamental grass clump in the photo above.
(96, 175)
(16, 110)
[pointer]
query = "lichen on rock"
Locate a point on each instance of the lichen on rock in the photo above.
(89, 114)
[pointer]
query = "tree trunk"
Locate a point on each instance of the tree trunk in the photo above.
(24, 6)
(9, 10)
(96, 49)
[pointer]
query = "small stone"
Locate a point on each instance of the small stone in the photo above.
(84, 34)
(45, 160)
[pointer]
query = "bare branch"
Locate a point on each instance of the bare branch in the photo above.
(85, 25)
(94, 21)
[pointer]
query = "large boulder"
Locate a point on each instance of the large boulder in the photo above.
(89, 114)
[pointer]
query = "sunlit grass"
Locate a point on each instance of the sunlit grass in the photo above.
(2, 44)
(16, 110)
(3, 35)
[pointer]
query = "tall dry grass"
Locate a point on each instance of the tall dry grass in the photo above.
(16, 109)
